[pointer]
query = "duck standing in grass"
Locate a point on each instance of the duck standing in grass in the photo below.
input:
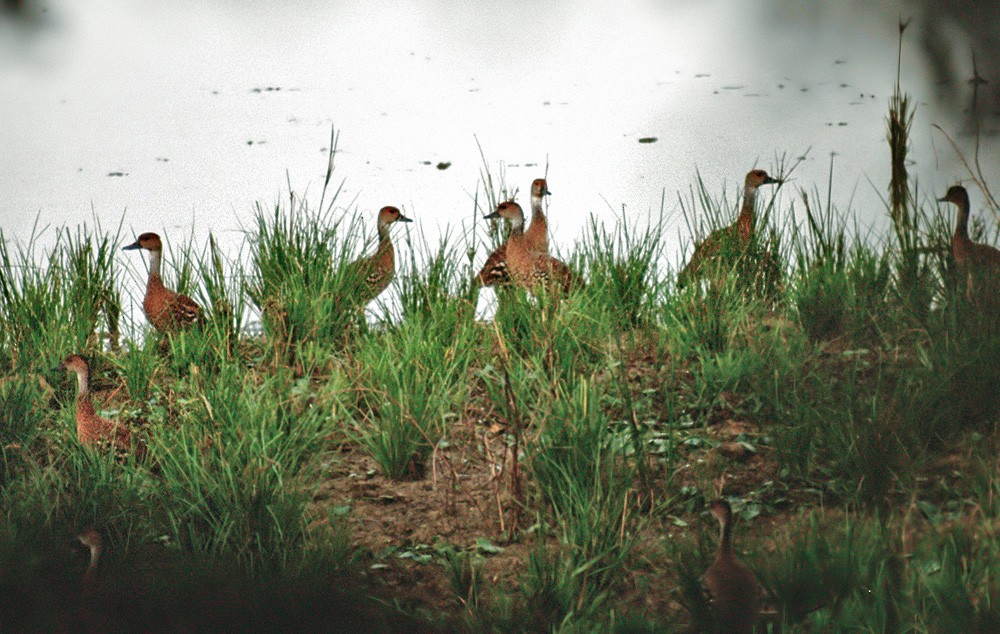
(167, 310)
(978, 263)
(93, 430)
(95, 544)
(531, 269)
(494, 271)
(372, 274)
(732, 590)
(734, 239)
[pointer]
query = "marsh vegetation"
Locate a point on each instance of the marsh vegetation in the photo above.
(548, 470)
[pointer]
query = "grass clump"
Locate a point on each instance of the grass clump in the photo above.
(413, 380)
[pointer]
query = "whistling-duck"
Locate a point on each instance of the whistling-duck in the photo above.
(528, 268)
(736, 236)
(93, 541)
(536, 237)
(93, 430)
(734, 595)
(167, 310)
(974, 260)
(373, 273)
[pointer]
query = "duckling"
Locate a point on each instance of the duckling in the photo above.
(978, 262)
(731, 587)
(736, 236)
(93, 430)
(167, 310)
(531, 269)
(373, 273)
(494, 271)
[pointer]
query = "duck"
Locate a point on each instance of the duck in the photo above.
(168, 311)
(532, 269)
(738, 235)
(93, 430)
(734, 595)
(91, 539)
(494, 271)
(977, 262)
(373, 273)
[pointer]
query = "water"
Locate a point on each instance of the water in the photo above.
(177, 117)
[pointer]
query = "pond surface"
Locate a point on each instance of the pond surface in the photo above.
(178, 116)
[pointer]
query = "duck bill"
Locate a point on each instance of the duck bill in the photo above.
(132, 247)
(492, 216)
(770, 181)
(403, 218)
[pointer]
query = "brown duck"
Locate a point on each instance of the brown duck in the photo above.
(168, 311)
(373, 273)
(734, 595)
(494, 271)
(736, 236)
(530, 269)
(978, 263)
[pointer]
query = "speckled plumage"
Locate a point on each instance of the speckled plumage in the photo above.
(495, 271)
(93, 430)
(531, 269)
(168, 310)
(372, 274)
(978, 263)
(735, 238)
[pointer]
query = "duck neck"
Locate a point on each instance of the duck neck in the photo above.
(84, 406)
(154, 264)
(384, 242)
(745, 221)
(725, 537)
(962, 223)
(516, 228)
(537, 212)
(95, 556)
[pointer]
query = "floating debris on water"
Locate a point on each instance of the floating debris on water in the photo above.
(117, 174)
(648, 139)
(444, 165)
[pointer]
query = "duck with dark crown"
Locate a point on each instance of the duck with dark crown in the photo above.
(734, 596)
(372, 274)
(93, 430)
(736, 237)
(494, 271)
(531, 269)
(978, 263)
(166, 309)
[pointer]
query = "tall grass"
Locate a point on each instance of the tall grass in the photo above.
(851, 360)
(64, 300)
(580, 475)
(412, 383)
(229, 468)
(296, 281)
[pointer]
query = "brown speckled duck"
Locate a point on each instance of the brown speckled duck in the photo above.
(736, 236)
(494, 271)
(374, 273)
(531, 269)
(734, 595)
(167, 310)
